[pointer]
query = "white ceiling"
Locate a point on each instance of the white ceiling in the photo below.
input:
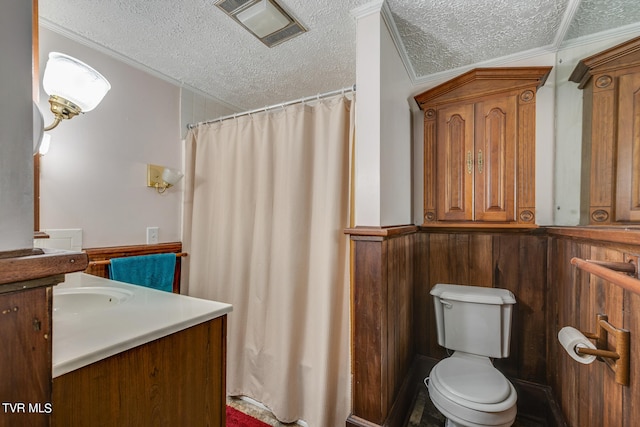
(193, 43)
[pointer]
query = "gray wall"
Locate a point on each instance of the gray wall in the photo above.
(16, 127)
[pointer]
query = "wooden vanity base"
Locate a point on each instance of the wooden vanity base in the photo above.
(178, 380)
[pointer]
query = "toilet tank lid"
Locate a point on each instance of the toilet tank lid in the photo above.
(476, 294)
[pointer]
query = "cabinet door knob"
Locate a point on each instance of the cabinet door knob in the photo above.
(469, 162)
(480, 161)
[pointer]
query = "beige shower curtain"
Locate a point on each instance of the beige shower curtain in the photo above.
(267, 199)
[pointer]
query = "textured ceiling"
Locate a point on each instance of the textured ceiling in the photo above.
(195, 44)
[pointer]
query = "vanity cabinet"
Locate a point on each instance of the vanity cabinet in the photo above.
(177, 380)
(479, 147)
(26, 281)
(610, 81)
(25, 331)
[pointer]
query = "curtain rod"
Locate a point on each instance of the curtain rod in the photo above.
(274, 106)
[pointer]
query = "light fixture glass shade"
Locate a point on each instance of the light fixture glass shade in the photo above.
(38, 127)
(171, 176)
(74, 81)
(263, 18)
(46, 142)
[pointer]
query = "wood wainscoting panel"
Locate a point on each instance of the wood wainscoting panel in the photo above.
(106, 253)
(393, 317)
(514, 261)
(382, 327)
(520, 265)
(588, 394)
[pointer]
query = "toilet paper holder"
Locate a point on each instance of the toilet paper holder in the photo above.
(617, 360)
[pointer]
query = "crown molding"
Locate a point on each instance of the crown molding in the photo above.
(627, 30)
(367, 9)
(125, 59)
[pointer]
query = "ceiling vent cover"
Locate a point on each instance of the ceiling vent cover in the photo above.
(265, 19)
(230, 6)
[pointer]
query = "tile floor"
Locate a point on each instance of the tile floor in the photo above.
(423, 414)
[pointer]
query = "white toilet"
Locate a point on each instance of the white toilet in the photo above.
(475, 323)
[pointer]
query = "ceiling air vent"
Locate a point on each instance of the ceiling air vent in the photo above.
(230, 6)
(265, 19)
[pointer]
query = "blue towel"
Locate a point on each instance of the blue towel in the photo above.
(153, 271)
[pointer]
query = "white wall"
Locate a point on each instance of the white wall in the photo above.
(383, 125)
(195, 108)
(94, 176)
(367, 152)
(395, 121)
(16, 127)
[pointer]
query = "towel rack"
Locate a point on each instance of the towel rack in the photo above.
(108, 261)
(605, 270)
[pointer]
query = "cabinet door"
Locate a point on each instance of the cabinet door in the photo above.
(495, 154)
(25, 361)
(628, 171)
(455, 163)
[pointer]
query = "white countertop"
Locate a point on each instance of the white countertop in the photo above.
(82, 338)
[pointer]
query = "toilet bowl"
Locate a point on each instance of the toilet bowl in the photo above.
(475, 323)
(470, 392)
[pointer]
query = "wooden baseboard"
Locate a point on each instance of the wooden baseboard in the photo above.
(401, 409)
(355, 421)
(106, 253)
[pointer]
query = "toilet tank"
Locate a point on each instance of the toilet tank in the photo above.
(473, 319)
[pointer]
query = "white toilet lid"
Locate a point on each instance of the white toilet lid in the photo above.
(472, 381)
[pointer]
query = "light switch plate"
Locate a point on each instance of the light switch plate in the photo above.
(152, 235)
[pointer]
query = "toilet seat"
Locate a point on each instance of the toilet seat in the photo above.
(468, 390)
(474, 380)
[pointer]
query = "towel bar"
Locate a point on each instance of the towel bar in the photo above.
(629, 283)
(107, 261)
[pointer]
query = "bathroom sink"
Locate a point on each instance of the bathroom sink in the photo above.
(87, 299)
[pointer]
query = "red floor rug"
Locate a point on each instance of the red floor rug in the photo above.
(236, 418)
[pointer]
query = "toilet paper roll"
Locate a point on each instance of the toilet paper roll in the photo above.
(570, 338)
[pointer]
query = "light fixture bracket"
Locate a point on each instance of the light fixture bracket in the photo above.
(161, 177)
(154, 177)
(62, 109)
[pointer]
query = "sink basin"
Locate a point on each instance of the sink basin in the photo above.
(87, 299)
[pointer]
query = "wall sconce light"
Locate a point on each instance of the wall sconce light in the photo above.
(161, 177)
(73, 87)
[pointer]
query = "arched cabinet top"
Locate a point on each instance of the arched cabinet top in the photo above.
(483, 82)
(624, 55)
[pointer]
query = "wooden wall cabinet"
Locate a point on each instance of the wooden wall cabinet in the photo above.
(479, 147)
(610, 135)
